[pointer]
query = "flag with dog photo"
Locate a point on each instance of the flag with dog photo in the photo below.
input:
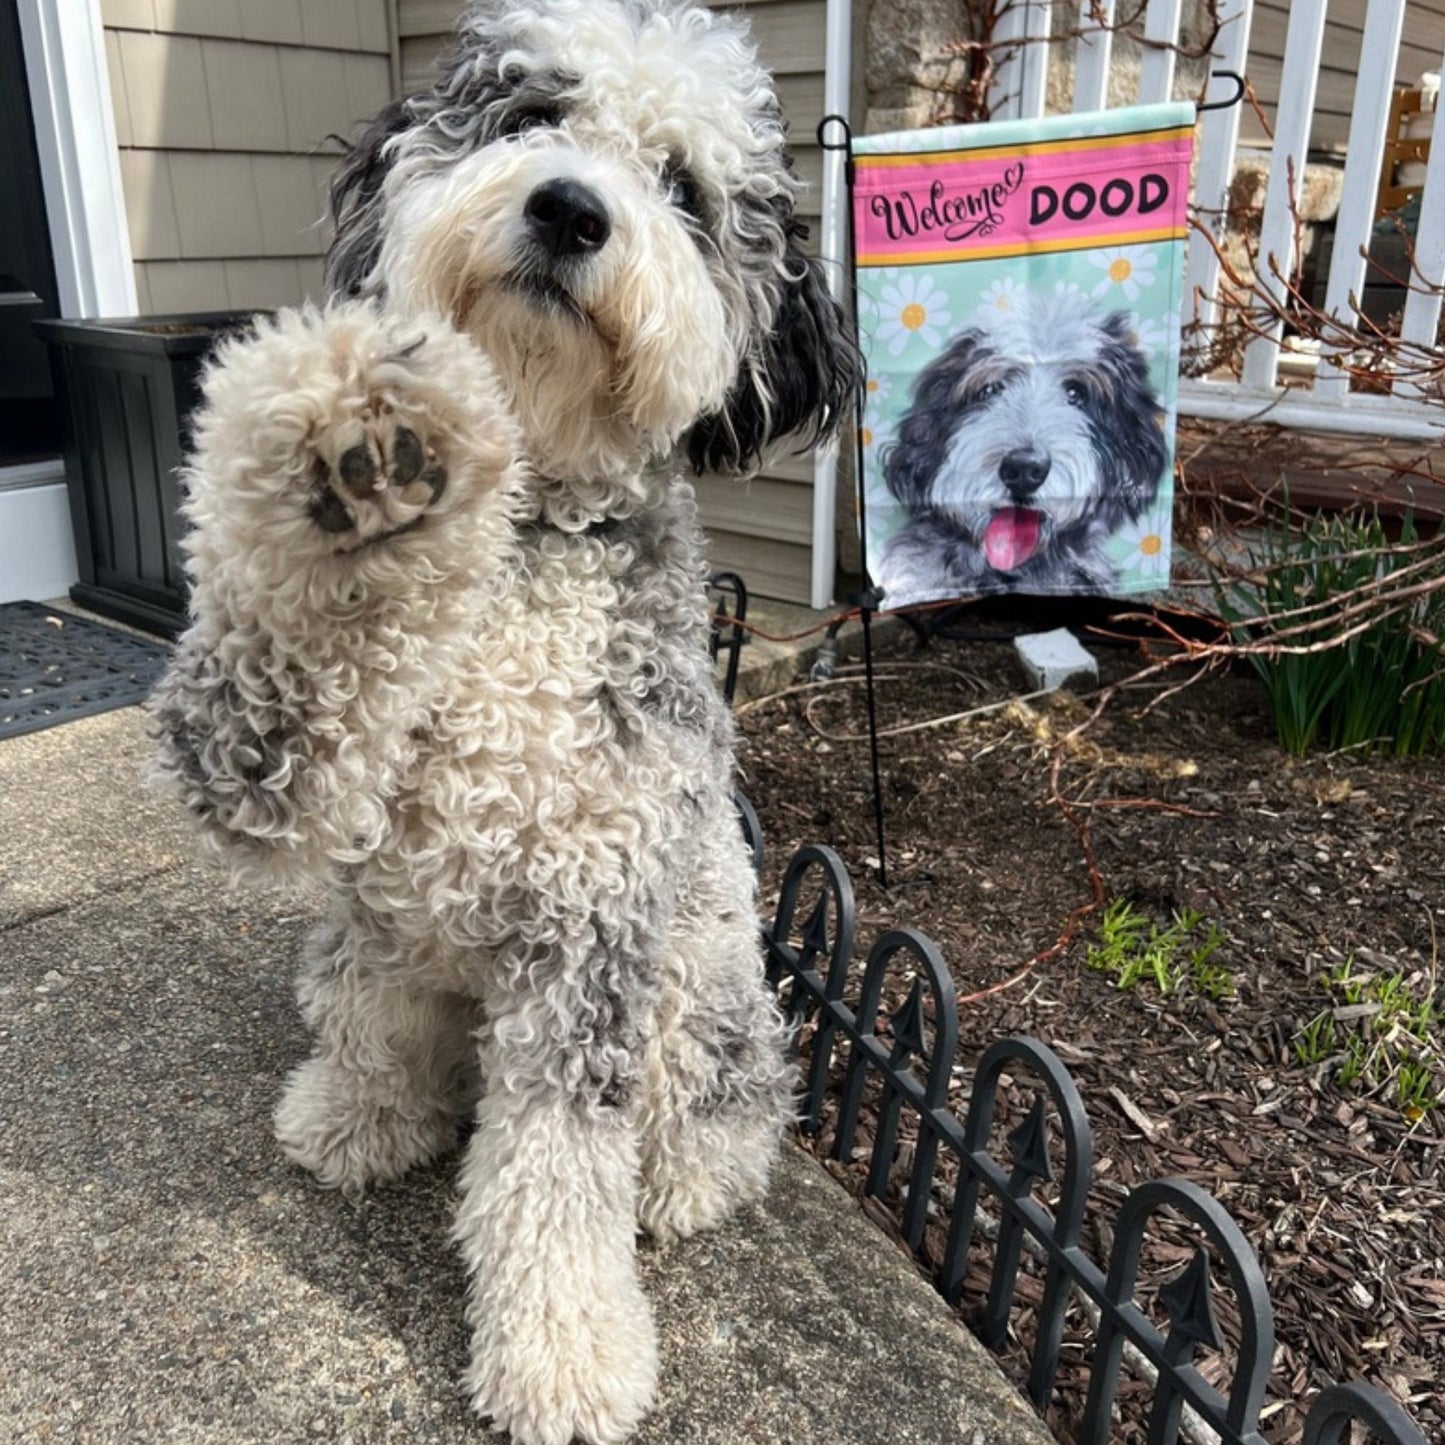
(1019, 295)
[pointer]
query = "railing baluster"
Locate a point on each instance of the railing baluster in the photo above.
(908, 1039)
(1422, 303)
(1304, 42)
(837, 889)
(1161, 35)
(1029, 1147)
(1049, 1336)
(1218, 142)
(1020, 78)
(1374, 84)
(1191, 1323)
(960, 1236)
(1091, 56)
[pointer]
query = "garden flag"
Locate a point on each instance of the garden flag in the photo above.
(1019, 290)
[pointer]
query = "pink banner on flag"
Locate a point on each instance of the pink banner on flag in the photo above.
(1056, 195)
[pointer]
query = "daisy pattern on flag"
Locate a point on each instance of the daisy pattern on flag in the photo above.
(879, 388)
(912, 306)
(1155, 335)
(1131, 269)
(1145, 548)
(1005, 294)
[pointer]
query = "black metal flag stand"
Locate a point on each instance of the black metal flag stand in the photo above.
(870, 597)
(835, 134)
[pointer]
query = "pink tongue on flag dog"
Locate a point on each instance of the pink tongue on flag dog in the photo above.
(1011, 538)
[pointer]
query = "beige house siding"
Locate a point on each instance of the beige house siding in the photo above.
(1420, 50)
(761, 528)
(222, 112)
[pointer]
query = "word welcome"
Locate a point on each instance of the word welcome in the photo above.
(978, 212)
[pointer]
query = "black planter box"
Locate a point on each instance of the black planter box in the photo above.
(127, 389)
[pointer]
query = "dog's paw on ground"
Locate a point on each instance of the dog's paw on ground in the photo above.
(695, 1187)
(590, 1378)
(328, 1124)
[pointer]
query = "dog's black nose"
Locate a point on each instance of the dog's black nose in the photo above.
(1023, 473)
(567, 218)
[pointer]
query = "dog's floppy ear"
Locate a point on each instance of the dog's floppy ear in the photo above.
(1135, 431)
(910, 464)
(356, 202)
(799, 382)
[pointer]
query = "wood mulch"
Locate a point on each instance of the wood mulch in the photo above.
(1190, 805)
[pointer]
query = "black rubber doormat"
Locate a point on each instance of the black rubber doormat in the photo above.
(55, 667)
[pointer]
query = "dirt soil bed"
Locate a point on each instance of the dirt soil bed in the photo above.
(1325, 869)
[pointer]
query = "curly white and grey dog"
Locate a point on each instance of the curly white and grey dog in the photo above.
(448, 660)
(1028, 441)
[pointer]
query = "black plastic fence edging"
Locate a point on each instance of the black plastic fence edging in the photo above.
(722, 587)
(809, 957)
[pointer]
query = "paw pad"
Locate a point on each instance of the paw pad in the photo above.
(378, 485)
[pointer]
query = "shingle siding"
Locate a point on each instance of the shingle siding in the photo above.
(223, 110)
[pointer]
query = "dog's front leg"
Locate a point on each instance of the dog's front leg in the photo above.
(563, 1344)
(349, 503)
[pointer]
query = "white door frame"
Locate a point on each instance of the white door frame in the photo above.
(70, 98)
(70, 102)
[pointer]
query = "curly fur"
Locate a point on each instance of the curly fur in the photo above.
(448, 664)
(1048, 410)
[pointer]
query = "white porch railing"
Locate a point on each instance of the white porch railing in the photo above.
(1328, 404)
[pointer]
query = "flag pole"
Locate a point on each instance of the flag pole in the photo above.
(835, 134)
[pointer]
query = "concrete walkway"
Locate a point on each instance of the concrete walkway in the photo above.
(167, 1277)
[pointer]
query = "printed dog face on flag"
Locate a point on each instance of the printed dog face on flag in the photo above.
(1019, 291)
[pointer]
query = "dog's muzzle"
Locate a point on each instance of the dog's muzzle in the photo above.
(567, 219)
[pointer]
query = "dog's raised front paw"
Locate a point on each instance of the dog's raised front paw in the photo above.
(327, 431)
(373, 476)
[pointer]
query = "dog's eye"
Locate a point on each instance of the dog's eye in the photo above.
(989, 390)
(682, 191)
(539, 116)
(1075, 393)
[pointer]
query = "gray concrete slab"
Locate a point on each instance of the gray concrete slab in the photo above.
(75, 820)
(167, 1277)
